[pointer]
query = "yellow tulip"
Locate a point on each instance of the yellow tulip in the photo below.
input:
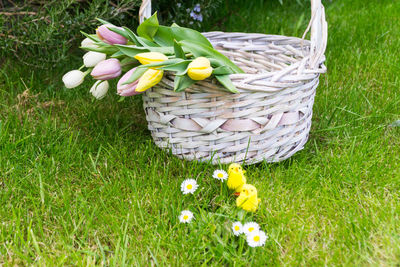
(150, 57)
(200, 69)
(150, 78)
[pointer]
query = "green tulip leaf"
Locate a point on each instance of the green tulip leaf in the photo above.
(223, 70)
(182, 33)
(182, 82)
(139, 41)
(120, 32)
(163, 63)
(129, 61)
(180, 68)
(118, 54)
(179, 53)
(164, 36)
(109, 50)
(149, 27)
(132, 51)
(200, 50)
(132, 36)
(92, 37)
(227, 83)
(136, 75)
(147, 43)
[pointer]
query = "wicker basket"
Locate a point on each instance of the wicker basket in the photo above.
(268, 120)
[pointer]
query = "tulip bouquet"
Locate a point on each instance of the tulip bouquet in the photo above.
(146, 56)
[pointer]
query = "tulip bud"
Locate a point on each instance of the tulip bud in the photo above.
(88, 43)
(127, 89)
(109, 36)
(150, 57)
(150, 78)
(73, 78)
(99, 89)
(199, 69)
(107, 69)
(91, 59)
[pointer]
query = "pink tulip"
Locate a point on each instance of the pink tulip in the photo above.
(107, 69)
(127, 89)
(109, 36)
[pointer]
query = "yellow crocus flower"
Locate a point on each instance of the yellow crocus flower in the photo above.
(150, 78)
(199, 69)
(150, 57)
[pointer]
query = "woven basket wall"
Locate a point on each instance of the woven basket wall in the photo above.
(269, 119)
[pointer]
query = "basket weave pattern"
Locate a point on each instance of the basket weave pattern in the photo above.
(269, 119)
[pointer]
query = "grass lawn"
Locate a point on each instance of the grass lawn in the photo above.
(81, 182)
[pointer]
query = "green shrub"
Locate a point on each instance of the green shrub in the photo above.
(42, 33)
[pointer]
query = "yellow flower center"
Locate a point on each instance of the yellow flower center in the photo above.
(256, 238)
(185, 217)
(189, 186)
(237, 228)
(220, 175)
(251, 229)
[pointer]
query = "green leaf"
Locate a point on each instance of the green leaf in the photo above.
(129, 61)
(120, 32)
(227, 83)
(102, 49)
(145, 42)
(182, 33)
(182, 82)
(200, 50)
(149, 27)
(174, 25)
(92, 37)
(164, 36)
(223, 70)
(132, 36)
(136, 75)
(118, 54)
(179, 53)
(132, 51)
(139, 41)
(163, 63)
(180, 68)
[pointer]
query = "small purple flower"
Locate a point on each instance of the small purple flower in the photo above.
(197, 8)
(200, 17)
(193, 15)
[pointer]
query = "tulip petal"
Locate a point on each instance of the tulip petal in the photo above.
(150, 78)
(150, 57)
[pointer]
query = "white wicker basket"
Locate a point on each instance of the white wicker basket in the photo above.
(268, 120)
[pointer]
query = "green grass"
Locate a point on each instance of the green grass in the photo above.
(81, 182)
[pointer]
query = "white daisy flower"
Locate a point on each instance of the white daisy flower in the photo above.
(186, 216)
(237, 228)
(250, 227)
(220, 175)
(256, 238)
(189, 186)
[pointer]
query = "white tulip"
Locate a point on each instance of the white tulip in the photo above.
(73, 78)
(88, 43)
(90, 59)
(99, 89)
